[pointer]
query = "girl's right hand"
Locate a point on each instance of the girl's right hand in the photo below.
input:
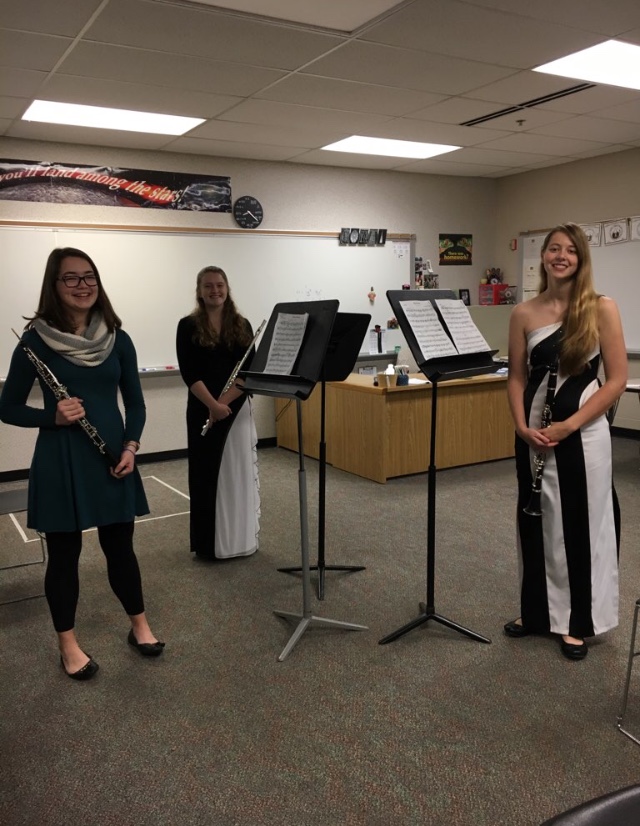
(220, 411)
(69, 411)
(536, 439)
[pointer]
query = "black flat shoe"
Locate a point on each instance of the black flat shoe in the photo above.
(147, 649)
(572, 651)
(515, 629)
(85, 673)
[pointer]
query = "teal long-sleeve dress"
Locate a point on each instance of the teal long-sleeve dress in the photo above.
(70, 487)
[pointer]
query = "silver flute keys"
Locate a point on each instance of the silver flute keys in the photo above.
(61, 392)
(236, 370)
(534, 507)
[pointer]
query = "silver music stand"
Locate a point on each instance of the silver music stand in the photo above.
(298, 386)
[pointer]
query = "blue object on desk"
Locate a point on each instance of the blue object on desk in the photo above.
(402, 380)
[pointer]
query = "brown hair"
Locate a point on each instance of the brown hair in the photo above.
(234, 329)
(580, 324)
(50, 307)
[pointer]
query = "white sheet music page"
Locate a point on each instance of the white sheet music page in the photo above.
(428, 330)
(465, 334)
(286, 342)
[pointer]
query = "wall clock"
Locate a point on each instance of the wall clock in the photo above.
(247, 211)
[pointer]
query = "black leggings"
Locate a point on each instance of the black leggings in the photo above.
(61, 582)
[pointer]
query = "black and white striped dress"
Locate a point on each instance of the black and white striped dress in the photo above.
(568, 558)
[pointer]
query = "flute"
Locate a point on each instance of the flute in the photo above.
(234, 375)
(60, 392)
(534, 507)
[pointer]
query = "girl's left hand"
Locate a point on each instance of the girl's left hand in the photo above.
(125, 466)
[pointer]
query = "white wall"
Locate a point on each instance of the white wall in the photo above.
(294, 197)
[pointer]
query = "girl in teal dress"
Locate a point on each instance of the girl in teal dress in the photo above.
(77, 335)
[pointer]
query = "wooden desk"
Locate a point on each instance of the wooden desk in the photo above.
(380, 432)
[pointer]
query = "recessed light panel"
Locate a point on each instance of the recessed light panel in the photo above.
(611, 62)
(360, 145)
(98, 117)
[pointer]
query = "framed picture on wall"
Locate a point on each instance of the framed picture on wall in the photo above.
(465, 297)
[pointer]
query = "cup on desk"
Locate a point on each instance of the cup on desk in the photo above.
(402, 380)
(387, 379)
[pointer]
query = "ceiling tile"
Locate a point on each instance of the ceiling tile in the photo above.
(322, 157)
(542, 144)
(433, 167)
(4, 125)
(629, 112)
(147, 98)
(404, 68)
(155, 68)
(207, 33)
(591, 100)
(408, 129)
(80, 135)
(333, 14)
(343, 94)
(456, 110)
(233, 149)
(491, 157)
(524, 120)
(449, 27)
(591, 128)
(20, 82)
(224, 130)
(13, 107)
(273, 113)
(31, 51)
(64, 17)
(608, 18)
(522, 87)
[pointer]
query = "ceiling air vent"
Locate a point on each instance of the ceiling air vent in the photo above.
(528, 104)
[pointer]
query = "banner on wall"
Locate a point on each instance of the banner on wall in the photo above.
(455, 249)
(61, 183)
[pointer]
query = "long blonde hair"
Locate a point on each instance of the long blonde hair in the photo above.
(580, 323)
(234, 329)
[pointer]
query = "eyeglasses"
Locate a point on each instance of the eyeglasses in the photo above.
(74, 280)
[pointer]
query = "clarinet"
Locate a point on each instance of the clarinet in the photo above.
(61, 392)
(534, 508)
(236, 370)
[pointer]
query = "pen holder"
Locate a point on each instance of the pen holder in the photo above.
(402, 380)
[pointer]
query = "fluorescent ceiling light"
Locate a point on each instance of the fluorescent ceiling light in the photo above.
(98, 117)
(382, 146)
(611, 62)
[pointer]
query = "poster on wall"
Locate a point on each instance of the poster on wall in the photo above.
(63, 183)
(455, 249)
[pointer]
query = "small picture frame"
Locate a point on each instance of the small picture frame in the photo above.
(465, 297)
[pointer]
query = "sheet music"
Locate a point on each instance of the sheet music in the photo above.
(288, 334)
(466, 336)
(428, 330)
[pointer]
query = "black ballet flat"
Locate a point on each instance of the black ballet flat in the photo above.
(147, 649)
(515, 629)
(572, 651)
(85, 673)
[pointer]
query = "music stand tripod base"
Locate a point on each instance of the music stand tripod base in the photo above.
(427, 615)
(304, 623)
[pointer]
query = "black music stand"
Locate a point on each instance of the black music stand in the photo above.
(436, 370)
(347, 335)
(305, 374)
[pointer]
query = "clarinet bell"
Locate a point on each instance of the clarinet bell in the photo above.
(533, 507)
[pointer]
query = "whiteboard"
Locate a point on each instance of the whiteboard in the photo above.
(616, 273)
(150, 276)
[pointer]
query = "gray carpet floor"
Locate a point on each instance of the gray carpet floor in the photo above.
(433, 729)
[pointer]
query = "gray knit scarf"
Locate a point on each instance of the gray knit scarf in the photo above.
(88, 350)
